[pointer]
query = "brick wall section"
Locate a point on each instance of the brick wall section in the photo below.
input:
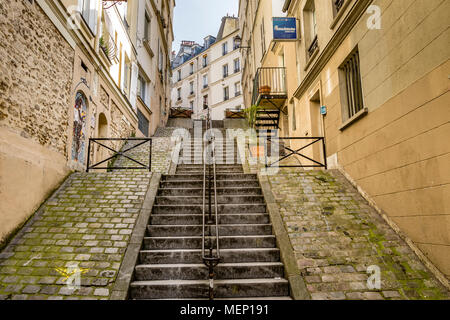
(89, 221)
(336, 235)
(36, 66)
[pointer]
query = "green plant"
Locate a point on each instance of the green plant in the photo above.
(104, 46)
(250, 115)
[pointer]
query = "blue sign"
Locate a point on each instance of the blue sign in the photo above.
(284, 28)
(323, 110)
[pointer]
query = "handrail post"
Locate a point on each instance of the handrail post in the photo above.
(325, 154)
(150, 156)
(88, 156)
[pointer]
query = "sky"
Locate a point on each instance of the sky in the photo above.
(195, 19)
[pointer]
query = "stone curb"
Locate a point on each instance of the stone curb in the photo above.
(126, 271)
(293, 274)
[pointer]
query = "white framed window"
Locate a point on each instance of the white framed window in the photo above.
(226, 93)
(147, 27)
(88, 9)
(142, 88)
(237, 65)
(225, 70)
(224, 48)
(237, 89)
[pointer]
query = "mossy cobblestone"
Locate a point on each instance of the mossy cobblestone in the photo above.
(336, 235)
(89, 221)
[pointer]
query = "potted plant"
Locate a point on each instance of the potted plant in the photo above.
(250, 115)
(103, 46)
(265, 89)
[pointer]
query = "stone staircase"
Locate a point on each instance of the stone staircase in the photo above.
(170, 265)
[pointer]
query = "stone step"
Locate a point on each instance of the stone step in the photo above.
(197, 230)
(199, 191)
(236, 288)
(262, 270)
(221, 199)
(179, 219)
(195, 242)
(227, 176)
(182, 256)
(198, 209)
(199, 184)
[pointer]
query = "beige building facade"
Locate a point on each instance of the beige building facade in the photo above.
(69, 72)
(210, 75)
(372, 78)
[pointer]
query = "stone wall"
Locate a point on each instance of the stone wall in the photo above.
(35, 75)
(36, 66)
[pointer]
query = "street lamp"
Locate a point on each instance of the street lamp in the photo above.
(238, 42)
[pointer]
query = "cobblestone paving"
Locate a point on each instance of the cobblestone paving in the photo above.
(336, 236)
(88, 223)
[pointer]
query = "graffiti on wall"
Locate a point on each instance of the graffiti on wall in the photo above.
(79, 128)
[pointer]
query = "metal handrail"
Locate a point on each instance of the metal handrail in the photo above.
(210, 260)
(115, 154)
(298, 152)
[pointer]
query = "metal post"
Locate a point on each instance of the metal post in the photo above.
(89, 156)
(150, 157)
(325, 153)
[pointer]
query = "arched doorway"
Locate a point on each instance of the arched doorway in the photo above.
(102, 153)
(79, 129)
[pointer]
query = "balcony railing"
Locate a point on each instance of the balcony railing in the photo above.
(108, 46)
(269, 83)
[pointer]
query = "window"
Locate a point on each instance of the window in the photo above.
(147, 25)
(351, 86)
(205, 102)
(224, 48)
(126, 76)
(179, 75)
(88, 9)
(205, 61)
(205, 81)
(142, 88)
(191, 68)
(143, 123)
(311, 28)
(191, 105)
(225, 70)
(237, 65)
(237, 89)
(191, 87)
(179, 94)
(226, 93)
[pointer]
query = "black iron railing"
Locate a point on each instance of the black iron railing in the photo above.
(314, 163)
(269, 82)
(211, 221)
(115, 154)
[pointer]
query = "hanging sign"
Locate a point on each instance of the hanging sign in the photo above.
(284, 29)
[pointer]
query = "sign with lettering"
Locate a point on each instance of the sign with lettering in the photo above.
(284, 29)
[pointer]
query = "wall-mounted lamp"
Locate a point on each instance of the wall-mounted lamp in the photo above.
(238, 43)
